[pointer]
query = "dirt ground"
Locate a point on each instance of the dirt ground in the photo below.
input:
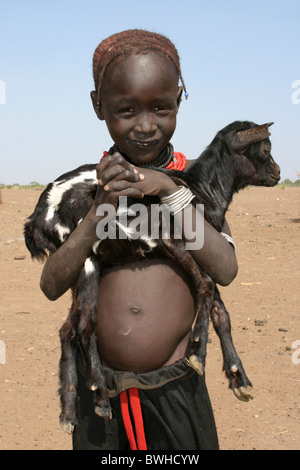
(263, 302)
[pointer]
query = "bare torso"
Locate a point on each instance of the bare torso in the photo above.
(145, 312)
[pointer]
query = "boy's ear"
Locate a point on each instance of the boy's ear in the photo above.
(96, 106)
(179, 95)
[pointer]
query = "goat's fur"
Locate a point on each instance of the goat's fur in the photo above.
(237, 157)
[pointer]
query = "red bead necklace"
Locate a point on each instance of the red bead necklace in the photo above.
(178, 161)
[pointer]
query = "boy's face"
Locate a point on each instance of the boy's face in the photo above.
(139, 103)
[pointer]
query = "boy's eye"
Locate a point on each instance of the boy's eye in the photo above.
(126, 110)
(162, 107)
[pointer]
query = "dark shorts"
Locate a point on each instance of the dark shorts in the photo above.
(175, 404)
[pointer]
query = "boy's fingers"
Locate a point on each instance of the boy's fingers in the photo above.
(113, 196)
(118, 173)
(110, 161)
(121, 185)
(110, 173)
(131, 192)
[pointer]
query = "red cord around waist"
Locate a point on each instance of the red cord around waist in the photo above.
(137, 439)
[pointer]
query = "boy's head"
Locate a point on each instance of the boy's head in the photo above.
(127, 43)
(136, 76)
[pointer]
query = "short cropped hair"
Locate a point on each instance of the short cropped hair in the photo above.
(128, 43)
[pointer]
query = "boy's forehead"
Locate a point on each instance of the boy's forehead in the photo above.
(141, 68)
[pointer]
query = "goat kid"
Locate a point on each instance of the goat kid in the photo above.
(239, 155)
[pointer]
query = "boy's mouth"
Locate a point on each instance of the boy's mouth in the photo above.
(144, 144)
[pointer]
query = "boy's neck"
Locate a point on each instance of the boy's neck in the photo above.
(161, 161)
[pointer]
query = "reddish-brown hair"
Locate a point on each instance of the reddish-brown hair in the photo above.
(132, 42)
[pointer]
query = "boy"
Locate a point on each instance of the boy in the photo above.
(145, 308)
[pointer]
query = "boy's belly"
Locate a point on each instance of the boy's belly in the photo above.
(145, 312)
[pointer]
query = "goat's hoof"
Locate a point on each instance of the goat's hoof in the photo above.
(194, 362)
(244, 393)
(67, 426)
(238, 381)
(104, 412)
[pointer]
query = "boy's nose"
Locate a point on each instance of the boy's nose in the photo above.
(145, 127)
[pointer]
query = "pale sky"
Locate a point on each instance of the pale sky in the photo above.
(240, 61)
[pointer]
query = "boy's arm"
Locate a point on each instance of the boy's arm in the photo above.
(62, 267)
(216, 256)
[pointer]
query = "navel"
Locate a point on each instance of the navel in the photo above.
(134, 307)
(135, 310)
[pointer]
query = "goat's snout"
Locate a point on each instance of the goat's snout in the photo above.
(274, 175)
(276, 169)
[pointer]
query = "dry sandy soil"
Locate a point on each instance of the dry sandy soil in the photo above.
(263, 301)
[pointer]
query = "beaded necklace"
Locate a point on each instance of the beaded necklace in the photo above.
(166, 159)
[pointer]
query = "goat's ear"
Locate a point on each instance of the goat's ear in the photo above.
(255, 134)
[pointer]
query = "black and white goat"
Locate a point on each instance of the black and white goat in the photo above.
(238, 156)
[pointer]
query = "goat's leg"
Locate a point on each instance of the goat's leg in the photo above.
(97, 382)
(204, 294)
(68, 377)
(95, 379)
(199, 332)
(232, 365)
(87, 298)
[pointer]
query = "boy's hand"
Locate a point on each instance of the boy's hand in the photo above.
(116, 178)
(155, 183)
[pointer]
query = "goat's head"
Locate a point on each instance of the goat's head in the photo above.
(252, 147)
